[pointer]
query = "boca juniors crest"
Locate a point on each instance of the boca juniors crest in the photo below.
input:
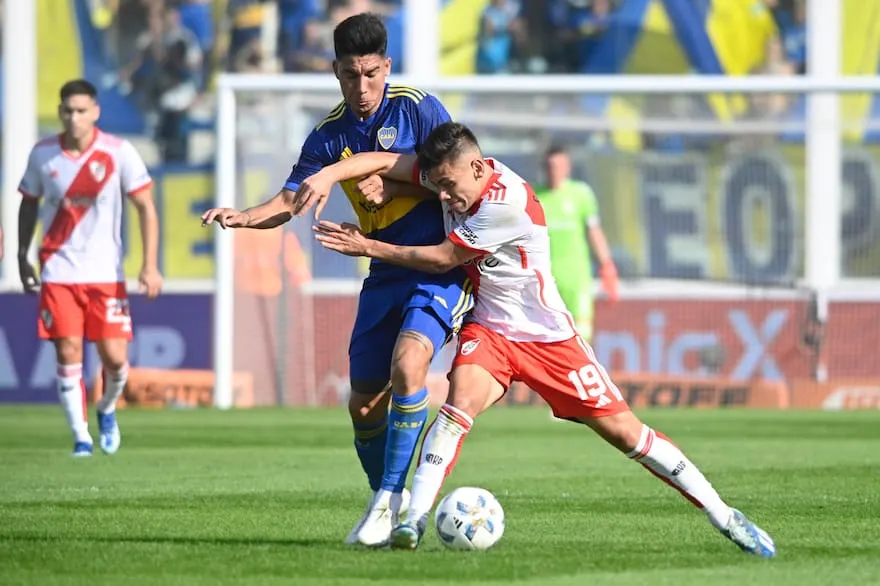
(386, 137)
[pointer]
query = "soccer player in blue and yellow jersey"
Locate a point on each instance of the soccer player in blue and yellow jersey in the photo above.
(404, 316)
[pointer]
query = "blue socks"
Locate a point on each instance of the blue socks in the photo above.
(386, 449)
(408, 415)
(370, 441)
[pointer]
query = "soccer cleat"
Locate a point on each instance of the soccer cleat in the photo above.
(385, 512)
(110, 437)
(749, 537)
(406, 536)
(352, 538)
(82, 449)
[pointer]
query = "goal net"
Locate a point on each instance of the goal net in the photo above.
(703, 197)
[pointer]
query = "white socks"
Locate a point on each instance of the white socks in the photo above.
(661, 457)
(72, 395)
(655, 451)
(114, 383)
(393, 499)
(437, 458)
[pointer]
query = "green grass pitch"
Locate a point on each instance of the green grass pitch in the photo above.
(267, 496)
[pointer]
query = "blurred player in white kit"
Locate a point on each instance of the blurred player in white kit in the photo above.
(76, 183)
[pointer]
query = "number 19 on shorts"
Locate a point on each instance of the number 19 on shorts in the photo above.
(590, 384)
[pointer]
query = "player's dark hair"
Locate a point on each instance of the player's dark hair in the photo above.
(446, 143)
(554, 149)
(361, 34)
(78, 87)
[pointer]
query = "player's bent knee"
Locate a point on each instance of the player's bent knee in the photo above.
(366, 413)
(113, 352)
(411, 361)
(115, 362)
(368, 401)
(68, 350)
(473, 389)
(470, 401)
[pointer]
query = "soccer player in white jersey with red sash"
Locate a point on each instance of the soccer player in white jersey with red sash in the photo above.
(77, 184)
(519, 330)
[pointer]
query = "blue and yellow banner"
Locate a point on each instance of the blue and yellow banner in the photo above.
(186, 251)
(59, 54)
(736, 217)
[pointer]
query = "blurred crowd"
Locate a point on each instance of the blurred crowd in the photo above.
(560, 36)
(162, 53)
(232, 35)
(535, 36)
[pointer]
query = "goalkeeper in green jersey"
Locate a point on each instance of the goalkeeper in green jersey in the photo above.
(572, 214)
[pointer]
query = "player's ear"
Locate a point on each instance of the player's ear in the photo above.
(387, 66)
(478, 167)
(336, 68)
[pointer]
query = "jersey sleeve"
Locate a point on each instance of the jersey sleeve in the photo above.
(420, 177)
(589, 206)
(493, 226)
(312, 158)
(431, 115)
(133, 171)
(31, 184)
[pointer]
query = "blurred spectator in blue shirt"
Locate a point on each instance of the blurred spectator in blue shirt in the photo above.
(314, 54)
(176, 90)
(294, 16)
(500, 27)
(196, 16)
(792, 23)
(247, 19)
(580, 24)
(394, 25)
(152, 48)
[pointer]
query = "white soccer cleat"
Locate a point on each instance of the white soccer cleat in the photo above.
(749, 537)
(384, 514)
(352, 538)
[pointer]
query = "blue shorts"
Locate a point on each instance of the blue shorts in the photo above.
(435, 308)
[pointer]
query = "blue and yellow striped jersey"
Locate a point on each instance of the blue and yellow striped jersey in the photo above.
(401, 125)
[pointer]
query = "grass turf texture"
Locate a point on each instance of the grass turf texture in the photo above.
(267, 496)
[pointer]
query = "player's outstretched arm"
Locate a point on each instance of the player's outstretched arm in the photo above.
(269, 214)
(314, 190)
(150, 278)
(380, 190)
(391, 165)
(27, 223)
(349, 240)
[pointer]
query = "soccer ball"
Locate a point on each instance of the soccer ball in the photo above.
(469, 518)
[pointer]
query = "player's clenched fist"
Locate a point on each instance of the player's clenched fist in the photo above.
(150, 281)
(226, 217)
(373, 190)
